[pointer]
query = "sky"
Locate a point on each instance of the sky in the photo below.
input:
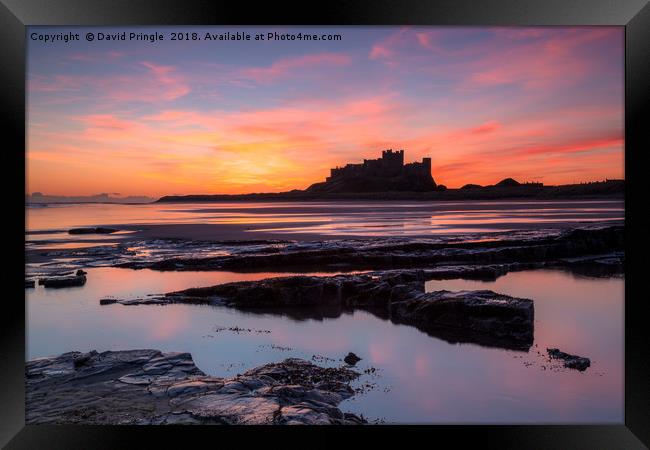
(542, 104)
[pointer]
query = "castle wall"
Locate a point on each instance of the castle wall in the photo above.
(391, 164)
(383, 174)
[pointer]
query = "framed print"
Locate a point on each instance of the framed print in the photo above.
(423, 217)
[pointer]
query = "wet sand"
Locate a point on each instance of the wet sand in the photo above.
(221, 232)
(244, 232)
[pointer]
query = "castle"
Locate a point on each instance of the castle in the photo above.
(386, 173)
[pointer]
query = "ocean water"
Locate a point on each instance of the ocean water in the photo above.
(333, 218)
(417, 378)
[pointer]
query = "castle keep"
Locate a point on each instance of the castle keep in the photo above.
(373, 175)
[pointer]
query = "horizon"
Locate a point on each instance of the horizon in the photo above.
(117, 196)
(537, 104)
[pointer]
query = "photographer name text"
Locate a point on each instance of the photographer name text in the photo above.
(153, 37)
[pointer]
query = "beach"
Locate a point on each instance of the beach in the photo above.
(562, 257)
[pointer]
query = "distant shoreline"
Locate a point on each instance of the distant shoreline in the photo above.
(614, 189)
(611, 189)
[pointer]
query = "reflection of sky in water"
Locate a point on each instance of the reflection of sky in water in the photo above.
(79, 215)
(324, 218)
(421, 378)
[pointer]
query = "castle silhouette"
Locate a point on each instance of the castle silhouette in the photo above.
(388, 173)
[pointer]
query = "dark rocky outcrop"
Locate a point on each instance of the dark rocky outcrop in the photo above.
(548, 251)
(570, 361)
(148, 387)
(508, 182)
(482, 317)
(92, 230)
(30, 283)
(500, 317)
(351, 359)
(592, 190)
(63, 282)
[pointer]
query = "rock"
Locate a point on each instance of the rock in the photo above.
(489, 272)
(187, 387)
(30, 283)
(92, 230)
(80, 360)
(508, 182)
(62, 282)
(570, 361)
(351, 290)
(484, 317)
(81, 272)
(543, 249)
(351, 359)
(150, 387)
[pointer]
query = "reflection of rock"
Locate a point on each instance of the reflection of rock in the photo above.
(351, 359)
(92, 230)
(62, 282)
(483, 317)
(488, 272)
(571, 361)
(150, 387)
(318, 313)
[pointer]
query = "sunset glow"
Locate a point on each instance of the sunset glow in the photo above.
(137, 118)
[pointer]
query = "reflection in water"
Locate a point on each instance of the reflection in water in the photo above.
(451, 335)
(420, 378)
(340, 218)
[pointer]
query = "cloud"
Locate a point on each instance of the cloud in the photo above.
(93, 57)
(531, 58)
(482, 103)
(157, 83)
(487, 127)
(294, 66)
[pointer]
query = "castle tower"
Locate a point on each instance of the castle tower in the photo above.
(426, 162)
(393, 157)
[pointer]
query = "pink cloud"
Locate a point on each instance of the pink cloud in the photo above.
(487, 127)
(96, 56)
(379, 51)
(55, 83)
(533, 58)
(387, 48)
(286, 66)
(158, 83)
(575, 146)
(107, 121)
(550, 60)
(166, 84)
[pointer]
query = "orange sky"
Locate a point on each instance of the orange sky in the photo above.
(535, 104)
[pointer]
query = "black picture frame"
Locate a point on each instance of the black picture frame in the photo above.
(634, 15)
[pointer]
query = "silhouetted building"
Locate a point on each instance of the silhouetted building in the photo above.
(388, 173)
